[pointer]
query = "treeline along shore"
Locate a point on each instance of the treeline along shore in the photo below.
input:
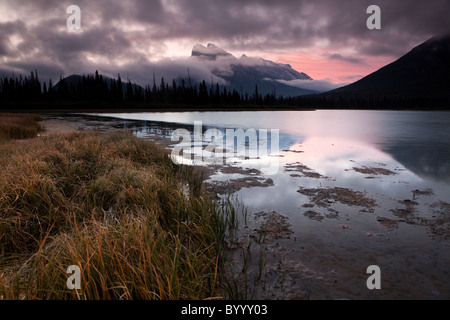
(97, 92)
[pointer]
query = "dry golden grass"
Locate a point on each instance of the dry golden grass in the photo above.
(19, 126)
(114, 205)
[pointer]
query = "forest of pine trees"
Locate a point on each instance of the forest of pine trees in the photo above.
(97, 92)
(96, 88)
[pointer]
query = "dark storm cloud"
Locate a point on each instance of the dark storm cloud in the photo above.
(96, 40)
(46, 70)
(7, 31)
(290, 24)
(152, 12)
(353, 60)
(138, 30)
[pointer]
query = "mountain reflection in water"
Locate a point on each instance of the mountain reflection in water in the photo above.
(401, 224)
(419, 140)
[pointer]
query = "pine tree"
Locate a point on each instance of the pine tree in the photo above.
(129, 93)
(119, 88)
(202, 93)
(44, 93)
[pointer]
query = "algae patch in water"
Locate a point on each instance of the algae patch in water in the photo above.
(325, 197)
(374, 171)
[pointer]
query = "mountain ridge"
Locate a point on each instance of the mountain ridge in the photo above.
(422, 72)
(245, 73)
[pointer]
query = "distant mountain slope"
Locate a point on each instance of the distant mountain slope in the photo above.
(245, 73)
(73, 80)
(246, 78)
(424, 72)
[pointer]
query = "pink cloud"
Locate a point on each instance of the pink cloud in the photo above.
(333, 70)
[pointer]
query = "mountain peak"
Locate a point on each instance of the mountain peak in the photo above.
(210, 52)
(244, 73)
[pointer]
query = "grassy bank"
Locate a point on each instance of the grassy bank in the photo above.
(138, 226)
(19, 126)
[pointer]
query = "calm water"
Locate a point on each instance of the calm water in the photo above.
(329, 256)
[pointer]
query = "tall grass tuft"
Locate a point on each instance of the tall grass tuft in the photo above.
(115, 206)
(19, 126)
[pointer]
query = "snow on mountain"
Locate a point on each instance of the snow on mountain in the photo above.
(272, 70)
(245, 73)
(210, 52)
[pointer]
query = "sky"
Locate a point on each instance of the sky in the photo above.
(326, 39)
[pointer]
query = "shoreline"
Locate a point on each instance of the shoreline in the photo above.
(273, 237)
(246, 249)
(175, 109)
(77, 188)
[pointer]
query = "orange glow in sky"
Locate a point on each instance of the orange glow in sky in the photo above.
(336, 71)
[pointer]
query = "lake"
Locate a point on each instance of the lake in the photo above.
(351, 189)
